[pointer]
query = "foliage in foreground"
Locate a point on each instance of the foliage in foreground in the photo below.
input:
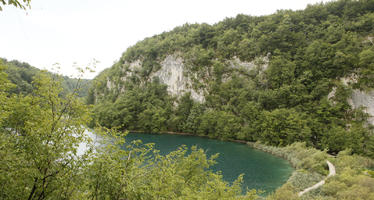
(40, 138)
(141, 173)
(23, 4)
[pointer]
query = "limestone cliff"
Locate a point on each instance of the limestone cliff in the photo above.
(358, 98)
(173, 73)
(363, 99)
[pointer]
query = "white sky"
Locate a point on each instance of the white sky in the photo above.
(78, 31)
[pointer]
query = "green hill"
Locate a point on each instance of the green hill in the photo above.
(279, 79)
(22, 74)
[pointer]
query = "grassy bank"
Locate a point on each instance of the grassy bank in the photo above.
(354, 180)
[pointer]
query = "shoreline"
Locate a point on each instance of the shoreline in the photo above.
(247, 143)
(250, 144)
(166, 132)
(279, 152)
(190, 134)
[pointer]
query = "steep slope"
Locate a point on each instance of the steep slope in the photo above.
(22, 74)
(262, 78)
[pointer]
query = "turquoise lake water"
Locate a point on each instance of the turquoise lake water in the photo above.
(262, 171)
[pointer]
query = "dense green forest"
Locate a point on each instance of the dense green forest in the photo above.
(22, 74)
(292, 103)
(41, 133)
(40, 136)
(306, 54)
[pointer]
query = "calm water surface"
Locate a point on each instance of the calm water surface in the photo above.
(261, 170)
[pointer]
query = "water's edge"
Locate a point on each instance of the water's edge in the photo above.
(247, 143)
(250, 144)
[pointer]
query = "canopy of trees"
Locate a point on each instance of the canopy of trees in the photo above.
(22, 74)
(42, 125)
(40, 137)
(309, 51)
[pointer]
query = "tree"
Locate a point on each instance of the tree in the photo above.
(23, 4)
(5, 86)
(39, 139)
(366, 73)
(283, 127)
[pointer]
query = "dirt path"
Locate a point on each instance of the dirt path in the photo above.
(332, 172)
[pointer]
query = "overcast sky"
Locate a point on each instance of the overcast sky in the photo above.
(78, 31)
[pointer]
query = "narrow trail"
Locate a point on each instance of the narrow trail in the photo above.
(332, 172)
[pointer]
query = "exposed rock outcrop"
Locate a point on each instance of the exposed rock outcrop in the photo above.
(179, 81)
(173, 75)
(364, 99)
(358, 98)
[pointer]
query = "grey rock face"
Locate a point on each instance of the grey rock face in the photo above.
(360, 98)
(172, 74)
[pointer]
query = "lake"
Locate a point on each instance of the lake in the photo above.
(262, 171)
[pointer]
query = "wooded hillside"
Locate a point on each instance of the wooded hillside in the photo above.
(298, 58)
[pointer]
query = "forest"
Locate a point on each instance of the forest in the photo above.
(308, 53)
(296, 108)
(22, 74)
(41, 156)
